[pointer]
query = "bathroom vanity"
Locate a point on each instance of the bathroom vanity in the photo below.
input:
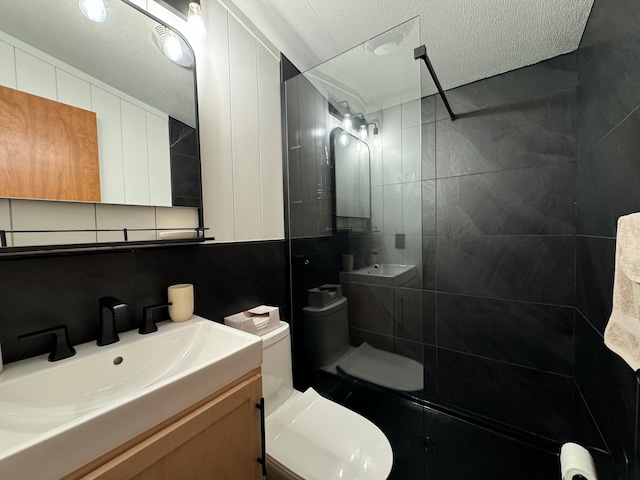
(218, 436)
(177, 403)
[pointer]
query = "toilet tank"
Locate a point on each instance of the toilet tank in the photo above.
(277, 380)
(326, 332)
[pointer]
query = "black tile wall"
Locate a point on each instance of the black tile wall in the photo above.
(595, 263)
(610, 389)
(608, 69)
(607, 187)
(538, 132)
(533, 400)
(608, 179)
(52, 290)
(528, 334)
(530, 268)
(527, 201)
(185, 165)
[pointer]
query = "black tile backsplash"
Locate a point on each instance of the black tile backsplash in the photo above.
(49, 291)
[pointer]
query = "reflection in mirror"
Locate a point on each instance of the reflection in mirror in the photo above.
(373, 320)
(350, 159)
(115, 68)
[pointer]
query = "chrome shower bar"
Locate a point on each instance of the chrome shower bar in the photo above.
(421, 52)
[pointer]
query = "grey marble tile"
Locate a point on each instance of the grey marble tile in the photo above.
(527, 334)
(608, 180)
(531, 268)
(609, 69)
(530, 201)
(538, 80)
(534, 132)
(511, 396)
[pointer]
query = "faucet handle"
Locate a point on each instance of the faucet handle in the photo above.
(148, 323)
(61, 347)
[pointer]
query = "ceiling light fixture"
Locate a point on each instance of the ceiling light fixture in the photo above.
(364, 131)
(94, 10)
(196, 22)
(376, 136)
(347, 121)
(172, 45)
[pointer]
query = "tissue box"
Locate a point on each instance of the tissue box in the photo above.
(258, 320)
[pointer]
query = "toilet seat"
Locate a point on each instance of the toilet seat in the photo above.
(316, 439)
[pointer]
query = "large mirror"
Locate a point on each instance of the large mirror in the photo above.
(352, 178)
(144, 103)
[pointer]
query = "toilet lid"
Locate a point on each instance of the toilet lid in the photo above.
(318, 439)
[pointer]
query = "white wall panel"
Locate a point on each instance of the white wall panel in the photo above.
(73, 90)
(8, 63)
(107, 108)
(245, 133)
(270, 144)
(215, 120)
(110, 217)
(35, 76)
(134, 154)
(5, 219)
(41, 215)
(177, 217)
(159, 160)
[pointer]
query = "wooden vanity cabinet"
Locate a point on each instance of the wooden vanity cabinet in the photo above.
(217, 439)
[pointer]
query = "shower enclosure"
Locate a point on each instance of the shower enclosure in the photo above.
(355, 222)
(465, 350)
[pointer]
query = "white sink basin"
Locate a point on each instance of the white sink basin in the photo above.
(381, 274)
(48, 410)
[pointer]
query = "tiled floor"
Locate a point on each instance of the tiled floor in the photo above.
(430, 445)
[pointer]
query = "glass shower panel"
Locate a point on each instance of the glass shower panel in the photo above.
(355, 220)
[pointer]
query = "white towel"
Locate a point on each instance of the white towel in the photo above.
(622, 334)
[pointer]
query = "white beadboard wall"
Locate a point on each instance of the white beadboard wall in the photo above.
(238, 73)
(240, 134)
(239, 101)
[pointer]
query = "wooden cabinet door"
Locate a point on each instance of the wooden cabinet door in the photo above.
(218, 441)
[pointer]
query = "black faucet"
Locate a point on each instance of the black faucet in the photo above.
(61, 347)
(148, 323)
(111, 309)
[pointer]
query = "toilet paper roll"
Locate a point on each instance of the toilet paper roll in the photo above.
(576, 460)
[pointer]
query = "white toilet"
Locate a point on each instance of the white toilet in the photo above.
(310, 437)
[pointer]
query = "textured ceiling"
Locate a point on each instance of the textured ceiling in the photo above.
(120, 51)
(466, 39)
